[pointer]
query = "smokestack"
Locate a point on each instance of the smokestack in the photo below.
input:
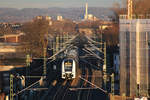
(86, 12)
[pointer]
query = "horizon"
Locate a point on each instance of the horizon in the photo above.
(54, 7)
(56, 3)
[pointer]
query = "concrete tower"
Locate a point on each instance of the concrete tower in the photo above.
(86, 12)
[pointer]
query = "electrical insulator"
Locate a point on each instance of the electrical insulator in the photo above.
(7, 97)
(41, 81)
(22, 81)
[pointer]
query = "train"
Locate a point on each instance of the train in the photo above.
(68, 68)
(69, 64)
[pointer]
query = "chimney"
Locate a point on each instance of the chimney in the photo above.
(86, 12)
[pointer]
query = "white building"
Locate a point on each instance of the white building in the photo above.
(134, 56)
(59, 18)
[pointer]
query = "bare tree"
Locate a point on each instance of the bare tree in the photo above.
(140, 7)
(66, 26)
(111, 35)
(6, 30)
(34, 38)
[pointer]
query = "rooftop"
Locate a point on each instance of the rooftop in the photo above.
(135, 16)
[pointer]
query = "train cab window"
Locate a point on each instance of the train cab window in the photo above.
(68, 65)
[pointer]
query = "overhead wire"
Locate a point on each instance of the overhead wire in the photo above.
(42, 65)
(93, 84)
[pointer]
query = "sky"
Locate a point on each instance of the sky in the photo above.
(55, 3)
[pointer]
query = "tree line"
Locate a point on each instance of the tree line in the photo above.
(140, 7)
(36, 31)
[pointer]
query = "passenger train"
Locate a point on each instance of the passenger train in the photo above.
(68, 68)
(69, 64)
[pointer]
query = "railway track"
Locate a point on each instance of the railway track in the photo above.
(61, 91)
(84, 94)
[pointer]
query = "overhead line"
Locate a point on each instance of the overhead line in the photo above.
(93, 84)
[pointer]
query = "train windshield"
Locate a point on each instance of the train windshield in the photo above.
(68, 65)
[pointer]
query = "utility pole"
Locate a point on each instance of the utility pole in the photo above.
(105, 67)
(57, 43)
(11, 87)
(45, 43)
(45, 59)
(112, 83)
(67, 36)
(28, 60)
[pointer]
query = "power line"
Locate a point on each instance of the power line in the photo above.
(93, 84)
(27, 88)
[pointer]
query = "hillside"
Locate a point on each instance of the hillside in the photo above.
(26, 14)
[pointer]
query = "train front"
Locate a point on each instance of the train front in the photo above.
(68, 68)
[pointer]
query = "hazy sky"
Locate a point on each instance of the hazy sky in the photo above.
(54, 3)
